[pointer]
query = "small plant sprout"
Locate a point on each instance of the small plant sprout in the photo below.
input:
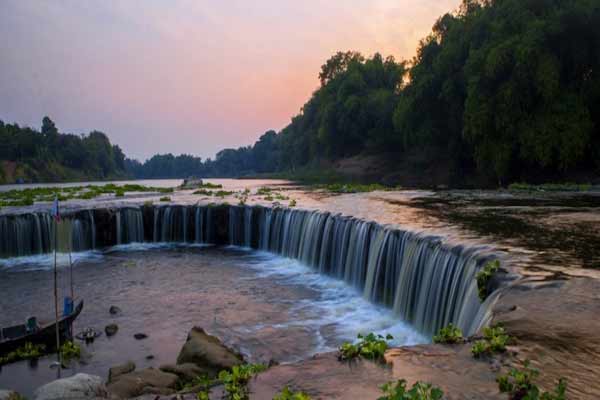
(419, 391)
(484, 276)
(236, 380)
(371, 347)
(287, 394)
(518, 384)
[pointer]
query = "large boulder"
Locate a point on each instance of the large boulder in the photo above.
(118, 370)
(142, 382)
(9, 395)
(77, 387)
(208, 353)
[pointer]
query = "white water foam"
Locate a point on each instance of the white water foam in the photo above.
(337, 304)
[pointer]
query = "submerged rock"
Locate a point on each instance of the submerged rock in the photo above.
(142, 382)
(111, 329)
(77, 387)
(119, 370)
(208, 353)
(114, 310)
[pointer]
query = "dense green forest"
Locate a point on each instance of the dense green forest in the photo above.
(49, 156)
(501, 90)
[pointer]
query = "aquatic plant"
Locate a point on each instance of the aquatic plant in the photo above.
(419, 391)
(70, 350)
(261, 191)
(355, 188)
(494, 340)
(29, 351)
(236, 380)
(484, 276)
(287, 394)
(371, 347)
(449, 335)
(518, 384)
(551, 187)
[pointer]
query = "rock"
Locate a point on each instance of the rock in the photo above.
(207, 352)
(9, 395)
(142, 382)
(111, 329)
(140, 336)
(150, 357)
(77, 387)
(119, 370)
(114, 310)
(185, 371)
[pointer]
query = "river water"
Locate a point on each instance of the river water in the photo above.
(268, 307)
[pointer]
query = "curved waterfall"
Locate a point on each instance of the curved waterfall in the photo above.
(424, 281)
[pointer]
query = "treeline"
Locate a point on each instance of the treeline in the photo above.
(503, 90)
(47, 156)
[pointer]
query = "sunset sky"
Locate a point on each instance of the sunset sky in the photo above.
(186, 76)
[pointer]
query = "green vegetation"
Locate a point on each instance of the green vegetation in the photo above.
(355, 188)
(484, 276)
(551, 187)
(292, 203)
(29, 351)
(518, 384)
(236, 380)
(49, 156)
(449, 335)
(494, 340)
(287, 394)
(371, 347)
(70, 350)
(27, 197)
(165, 199)
(500, 91)
(419, 391)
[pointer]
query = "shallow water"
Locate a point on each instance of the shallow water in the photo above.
(266, 306)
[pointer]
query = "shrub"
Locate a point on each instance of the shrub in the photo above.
(519, 385)
(287, 394)
(484, 276)
(371, 347)
(419, 391)
(166, 198)
(449, 335)
(236, 380)
(292, 203)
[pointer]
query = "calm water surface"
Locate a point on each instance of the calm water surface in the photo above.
(267, 307)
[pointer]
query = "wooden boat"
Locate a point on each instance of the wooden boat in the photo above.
(14, 337)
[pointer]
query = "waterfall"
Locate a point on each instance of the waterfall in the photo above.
(171, 224)
(425, 281)
(129, 225)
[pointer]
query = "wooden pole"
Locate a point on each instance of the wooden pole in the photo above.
(56, 297)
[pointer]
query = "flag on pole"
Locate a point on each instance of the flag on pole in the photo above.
(55, 213)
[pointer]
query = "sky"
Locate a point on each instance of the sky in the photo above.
(187, 76)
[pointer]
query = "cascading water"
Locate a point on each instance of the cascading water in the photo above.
(426, 282)
(130, 226)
